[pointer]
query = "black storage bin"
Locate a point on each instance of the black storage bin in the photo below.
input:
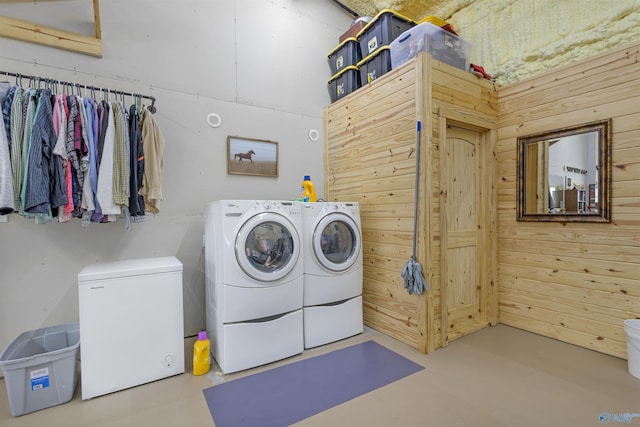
(344, 82)
(375, 65)
(345, 54)
(382, 30)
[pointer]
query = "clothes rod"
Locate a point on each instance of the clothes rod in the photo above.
(38, 79)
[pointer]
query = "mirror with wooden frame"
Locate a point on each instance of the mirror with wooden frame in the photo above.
(565, 174)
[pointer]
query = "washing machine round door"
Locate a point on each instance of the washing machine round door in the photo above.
(267, 247)
(336, 242)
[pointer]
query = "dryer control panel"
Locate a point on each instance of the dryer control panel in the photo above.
(352, 208)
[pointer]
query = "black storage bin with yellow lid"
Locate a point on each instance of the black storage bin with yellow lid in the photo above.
(345, 54)
(344, 82)
(382, 30)
(375, 65)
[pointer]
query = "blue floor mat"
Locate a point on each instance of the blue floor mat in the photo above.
(293, 392)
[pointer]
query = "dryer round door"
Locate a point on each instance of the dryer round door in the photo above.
(267, 247)
(336, 242)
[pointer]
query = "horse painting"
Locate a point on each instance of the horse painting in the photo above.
(247, 155)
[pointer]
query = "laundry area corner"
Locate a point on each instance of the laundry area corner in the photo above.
(274, 212)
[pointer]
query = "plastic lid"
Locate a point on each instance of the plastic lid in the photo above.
(343, 71)
(307, 178)
(372, 55)
(375, 18)
(344, 42)
(202, 335)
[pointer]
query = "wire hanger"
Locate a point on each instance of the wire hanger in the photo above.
(69, 88)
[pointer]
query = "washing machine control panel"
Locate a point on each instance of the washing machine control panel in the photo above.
(277, 206)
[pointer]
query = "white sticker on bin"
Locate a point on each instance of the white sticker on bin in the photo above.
(373, 44)
(39, 379)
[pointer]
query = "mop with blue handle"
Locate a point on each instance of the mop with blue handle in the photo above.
(412, 274)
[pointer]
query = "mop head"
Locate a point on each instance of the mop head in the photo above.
(414, 281)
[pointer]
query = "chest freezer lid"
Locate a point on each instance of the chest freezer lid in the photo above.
(128, 268)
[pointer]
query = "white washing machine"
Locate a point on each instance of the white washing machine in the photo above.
(254, 281)
(332, 247)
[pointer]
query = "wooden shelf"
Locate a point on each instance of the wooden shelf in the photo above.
(575, 201)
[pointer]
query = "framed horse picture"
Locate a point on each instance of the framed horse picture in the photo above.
(248, 156)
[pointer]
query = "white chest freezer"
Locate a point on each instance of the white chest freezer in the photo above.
(131, 324)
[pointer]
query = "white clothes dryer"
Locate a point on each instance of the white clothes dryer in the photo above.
(254, 281)
(332, 247)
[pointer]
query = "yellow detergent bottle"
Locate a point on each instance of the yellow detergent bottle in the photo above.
(201, 357)
(308, 192)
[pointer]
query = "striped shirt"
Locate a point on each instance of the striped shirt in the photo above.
(45, 181)
(120, 156)
(17, 131)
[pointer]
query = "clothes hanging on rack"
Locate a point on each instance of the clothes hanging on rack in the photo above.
(77, 86)
(136, 202)
(44, 189)
(153, 145)
(17, 129)
(67, 156)
(6, 184)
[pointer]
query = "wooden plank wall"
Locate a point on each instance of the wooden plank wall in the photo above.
(463, 100)
(576, 282)
(370, 158)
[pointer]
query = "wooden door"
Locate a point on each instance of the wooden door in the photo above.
(462, 268)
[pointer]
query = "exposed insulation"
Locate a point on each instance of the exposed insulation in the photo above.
(414, 9)
(515, 39)
(522, 38)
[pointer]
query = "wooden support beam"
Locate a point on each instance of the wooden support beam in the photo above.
(31, 32)
(96, 19)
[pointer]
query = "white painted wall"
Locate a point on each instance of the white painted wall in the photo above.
(259, 64)
(565, 153)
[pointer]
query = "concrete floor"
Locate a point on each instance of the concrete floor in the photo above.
(498, 376)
